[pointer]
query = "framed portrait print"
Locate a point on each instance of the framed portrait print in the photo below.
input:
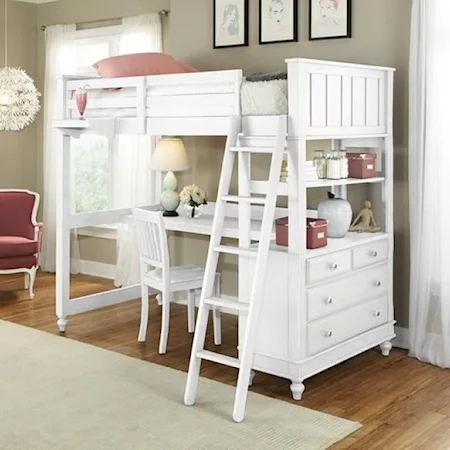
(230, 23)
(330, 19)
(278, 21)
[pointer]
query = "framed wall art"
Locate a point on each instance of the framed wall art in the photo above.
(278, 21)
(330, 19)
(230, 23)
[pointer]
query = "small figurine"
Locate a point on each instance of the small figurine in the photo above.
(367, 223)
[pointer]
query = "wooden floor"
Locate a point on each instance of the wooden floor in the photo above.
(402, 403)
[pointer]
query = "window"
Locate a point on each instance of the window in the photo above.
(93, 174)
(111, 174)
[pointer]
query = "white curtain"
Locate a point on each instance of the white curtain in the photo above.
(59, 58)
(141, 34)
(429, 163)
(132, 155)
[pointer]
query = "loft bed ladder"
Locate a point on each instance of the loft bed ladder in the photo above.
(260, 255)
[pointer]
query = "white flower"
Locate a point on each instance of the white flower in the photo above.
(185, 195)
(193, 194)
(198, 196)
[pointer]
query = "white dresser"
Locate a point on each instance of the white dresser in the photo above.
(342, 306)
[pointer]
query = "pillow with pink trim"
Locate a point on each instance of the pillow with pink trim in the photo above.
(140, 64)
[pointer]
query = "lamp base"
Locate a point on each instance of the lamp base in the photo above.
(170, 214)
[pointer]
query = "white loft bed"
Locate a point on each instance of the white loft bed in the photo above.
(326, 100)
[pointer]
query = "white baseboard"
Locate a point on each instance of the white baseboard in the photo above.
(97, 269)
(402, 339)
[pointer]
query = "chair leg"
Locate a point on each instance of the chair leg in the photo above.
(26, 280)
(144, 313)
(32, 278)
(191, 310)
(164, 322)
(217, 321)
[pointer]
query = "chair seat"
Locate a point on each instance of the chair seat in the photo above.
(18, 262)
(17, 246)
(179, 274)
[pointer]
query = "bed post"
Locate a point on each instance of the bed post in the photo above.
(298, 121)
(63, 183)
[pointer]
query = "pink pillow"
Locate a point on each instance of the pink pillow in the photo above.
(140, 64)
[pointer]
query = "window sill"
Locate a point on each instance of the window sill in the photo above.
(101, 232)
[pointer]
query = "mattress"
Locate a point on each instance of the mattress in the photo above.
(258, 98)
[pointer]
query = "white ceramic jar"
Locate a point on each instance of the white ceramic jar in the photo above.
(338, 213)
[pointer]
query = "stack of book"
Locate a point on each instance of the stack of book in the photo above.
(284, 171)
(310, 172)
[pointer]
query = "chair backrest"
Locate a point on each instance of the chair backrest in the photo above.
(152, 238)
(18, 211)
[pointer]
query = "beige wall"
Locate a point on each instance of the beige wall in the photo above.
(381, 37)
(18, 149)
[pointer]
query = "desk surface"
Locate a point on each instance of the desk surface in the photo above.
(203, 224)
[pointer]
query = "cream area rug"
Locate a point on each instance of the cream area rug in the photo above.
(59, 394)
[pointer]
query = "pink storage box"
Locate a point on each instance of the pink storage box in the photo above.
(361, 165)
(316, 232)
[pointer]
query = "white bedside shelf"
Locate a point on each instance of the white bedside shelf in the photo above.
(260, 187)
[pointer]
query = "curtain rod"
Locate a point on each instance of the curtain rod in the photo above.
(162, 13)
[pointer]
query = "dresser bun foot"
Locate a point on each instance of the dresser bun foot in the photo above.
(297, 390)
(251, 377)
(386, 348)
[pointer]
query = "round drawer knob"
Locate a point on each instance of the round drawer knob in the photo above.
(377, 313)
(329, 300)
(329, 333)
(378, 283)
(374, 254)
(334, 266)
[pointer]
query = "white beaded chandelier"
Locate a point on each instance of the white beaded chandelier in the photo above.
(19, 98)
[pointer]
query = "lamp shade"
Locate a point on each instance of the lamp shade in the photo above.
(170, 154)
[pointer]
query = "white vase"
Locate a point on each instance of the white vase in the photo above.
(338, 213)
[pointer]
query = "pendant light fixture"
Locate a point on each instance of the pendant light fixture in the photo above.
(19, 98)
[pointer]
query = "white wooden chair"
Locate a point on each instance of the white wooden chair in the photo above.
(156, 273)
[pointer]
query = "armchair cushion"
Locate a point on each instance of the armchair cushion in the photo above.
(18, 262)
(17, 209)
(17, 246)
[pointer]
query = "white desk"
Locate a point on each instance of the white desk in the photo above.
(203, 224)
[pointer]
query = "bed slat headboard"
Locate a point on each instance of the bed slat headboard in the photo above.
(336, 98)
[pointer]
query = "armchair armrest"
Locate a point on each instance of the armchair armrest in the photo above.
(38, 229)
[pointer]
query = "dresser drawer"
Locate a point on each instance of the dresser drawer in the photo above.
(367, 254)
(328, 266)
(355, 288)
(339, 327)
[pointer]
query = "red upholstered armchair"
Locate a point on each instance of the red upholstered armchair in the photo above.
(20, 234)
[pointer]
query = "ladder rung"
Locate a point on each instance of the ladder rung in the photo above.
(252, 200)
(227, 303)
(218, 358)
(252, 149)
(235, 250)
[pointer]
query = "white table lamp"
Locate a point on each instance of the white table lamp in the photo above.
(170, 155)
